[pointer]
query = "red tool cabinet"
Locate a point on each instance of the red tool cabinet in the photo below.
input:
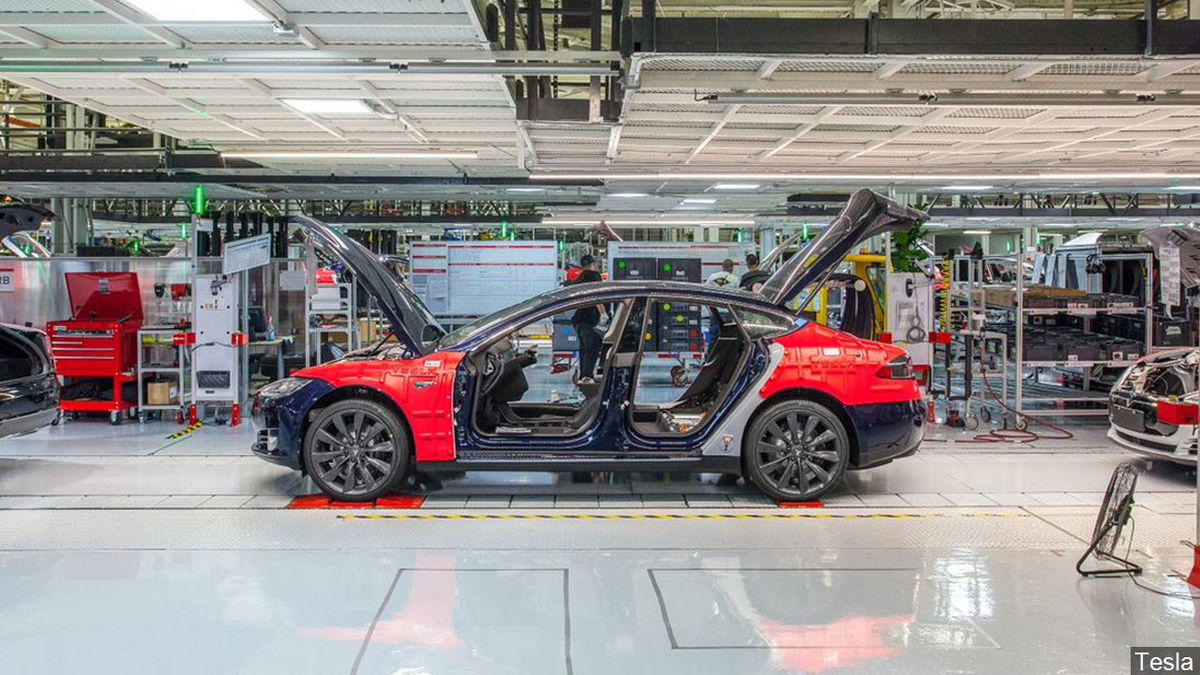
(99, 341)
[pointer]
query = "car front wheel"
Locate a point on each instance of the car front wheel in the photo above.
(796, 451)
(356, 450)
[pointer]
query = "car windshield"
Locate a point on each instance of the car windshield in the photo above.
(462, 333)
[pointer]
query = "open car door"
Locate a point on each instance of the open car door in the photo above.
(866, 214)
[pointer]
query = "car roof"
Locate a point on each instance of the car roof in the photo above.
(602, 289)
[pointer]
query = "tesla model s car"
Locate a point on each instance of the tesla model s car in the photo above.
(1133, 409)
(28, 385)
(790, 404)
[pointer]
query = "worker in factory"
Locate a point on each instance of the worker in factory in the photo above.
(754, 278)
(725, 277)
(585, 320)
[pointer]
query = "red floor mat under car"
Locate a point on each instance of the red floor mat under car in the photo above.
(388, 502)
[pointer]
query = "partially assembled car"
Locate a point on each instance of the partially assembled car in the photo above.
(29, 392)
(1134, 406)
(789, 404)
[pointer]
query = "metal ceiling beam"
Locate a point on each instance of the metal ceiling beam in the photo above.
(953, 100)
(283, 19)
(299, 52)
(29, 37)
(800, 131)
(712, 133)
(132, 18)
(652, 80)
(187, 177)
(251, 68)
(310, 19)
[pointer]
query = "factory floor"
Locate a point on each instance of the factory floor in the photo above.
(125, 551)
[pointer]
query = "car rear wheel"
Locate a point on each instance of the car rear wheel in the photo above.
(356, 450)
(796, 451)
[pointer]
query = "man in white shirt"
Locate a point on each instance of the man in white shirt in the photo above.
(725, 277)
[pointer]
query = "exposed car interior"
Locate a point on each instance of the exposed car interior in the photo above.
(501, 408)
(506, 406)
(725, 350)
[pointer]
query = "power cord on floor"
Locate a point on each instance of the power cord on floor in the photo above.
(1006, 435)
(1133, 577)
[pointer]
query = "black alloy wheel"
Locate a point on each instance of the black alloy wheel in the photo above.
(356, 450)
(796, 451)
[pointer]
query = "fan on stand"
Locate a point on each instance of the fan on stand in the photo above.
(1115, 513)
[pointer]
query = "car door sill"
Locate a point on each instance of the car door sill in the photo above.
(691, 463)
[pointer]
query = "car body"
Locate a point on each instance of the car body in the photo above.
(789, 403)
(1133, 406)
(29, 391)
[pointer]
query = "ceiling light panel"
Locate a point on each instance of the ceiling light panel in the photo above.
(198, 10)
(330, 106)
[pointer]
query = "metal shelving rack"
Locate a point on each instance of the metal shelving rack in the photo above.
(346, 310)
(181, 370)
(966, 297)
(1023, 400)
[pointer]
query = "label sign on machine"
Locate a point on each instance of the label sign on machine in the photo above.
(246, 254)
(8, 280)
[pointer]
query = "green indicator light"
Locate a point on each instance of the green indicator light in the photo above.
(805, 231)
(679, 319)
(199, 201)
(183, 230)
(667, 306)
(666, 267)
(621, 264)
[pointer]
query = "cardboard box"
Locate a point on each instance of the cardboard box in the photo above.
(162, 393)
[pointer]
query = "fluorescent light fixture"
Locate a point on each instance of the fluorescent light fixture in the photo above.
(525, 189)
(699, 200)
(977, 231)
(198, 10)
(1185, 188)
(628, 195)
(1059, 225)
(939, 225)
(322, 154)
(330, 106)
(736, 186)
(966, 188)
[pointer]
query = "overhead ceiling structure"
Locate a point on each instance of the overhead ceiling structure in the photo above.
(703, 118)
(407, 82)
(303, 98)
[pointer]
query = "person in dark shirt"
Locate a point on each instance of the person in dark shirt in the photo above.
(585, 320)
(755, 278)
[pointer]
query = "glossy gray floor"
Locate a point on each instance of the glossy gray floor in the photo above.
(122, 551)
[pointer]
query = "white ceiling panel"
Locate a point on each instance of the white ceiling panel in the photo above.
(373, 6)
(92, 35)
(390, 35)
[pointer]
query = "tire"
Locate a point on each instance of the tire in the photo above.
(789, 471)
(356, 450)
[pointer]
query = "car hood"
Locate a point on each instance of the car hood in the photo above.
(865, 215)
(411, 322)
(16, 218)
